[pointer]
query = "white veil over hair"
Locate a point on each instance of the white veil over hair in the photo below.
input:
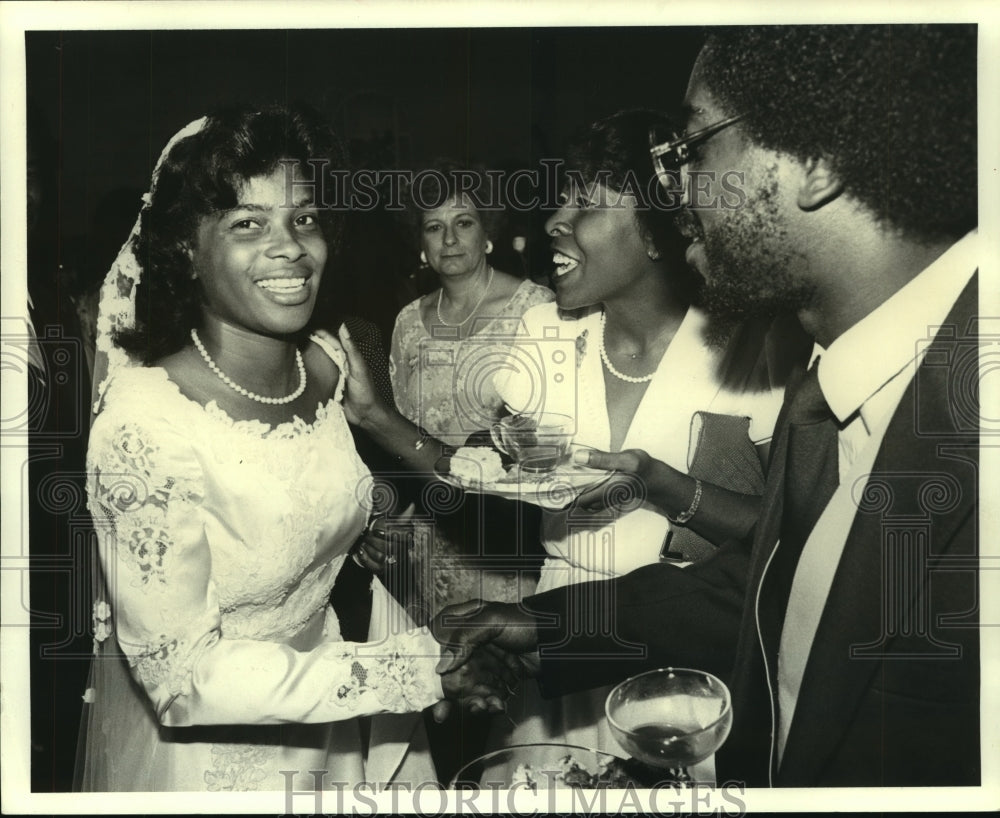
(116, 310)
(101, 728)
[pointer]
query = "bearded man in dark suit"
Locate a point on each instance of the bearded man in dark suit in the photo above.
(846, 623)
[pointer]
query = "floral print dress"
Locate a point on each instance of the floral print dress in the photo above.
(445, 385)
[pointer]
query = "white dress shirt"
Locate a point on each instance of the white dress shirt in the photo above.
(863, 376)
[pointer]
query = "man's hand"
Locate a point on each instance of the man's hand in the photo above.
(483, 682)
(474, 629)
(462, 628)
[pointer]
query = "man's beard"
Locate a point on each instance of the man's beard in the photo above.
(751, 265)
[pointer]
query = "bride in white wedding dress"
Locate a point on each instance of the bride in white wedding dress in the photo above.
(226, 494)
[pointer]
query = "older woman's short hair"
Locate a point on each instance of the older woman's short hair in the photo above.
(444, 180)
(201, 175)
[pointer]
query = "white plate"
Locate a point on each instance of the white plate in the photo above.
(555, 490)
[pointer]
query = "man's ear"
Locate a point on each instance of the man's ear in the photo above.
(819, 186)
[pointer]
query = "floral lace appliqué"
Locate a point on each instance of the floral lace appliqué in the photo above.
(169, 664)
(127, 473)
(394, 677)
(145, 548)
(239, 767)
(286, 617)
(101, 617)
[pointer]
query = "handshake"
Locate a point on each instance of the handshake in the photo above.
(481, 663)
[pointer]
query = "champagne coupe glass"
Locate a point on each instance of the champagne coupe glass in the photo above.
(671, 718)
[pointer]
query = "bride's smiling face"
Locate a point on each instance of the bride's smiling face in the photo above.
(259, 264)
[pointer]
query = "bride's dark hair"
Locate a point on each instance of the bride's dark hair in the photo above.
(202, 175)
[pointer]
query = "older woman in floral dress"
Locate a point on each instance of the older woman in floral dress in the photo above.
(445, 349)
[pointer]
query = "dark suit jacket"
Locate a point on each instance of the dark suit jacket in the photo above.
(890, 694)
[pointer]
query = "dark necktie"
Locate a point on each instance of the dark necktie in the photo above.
(811, 477)
(812, 473)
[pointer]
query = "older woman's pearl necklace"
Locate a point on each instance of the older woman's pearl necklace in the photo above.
(246, 392)
(479, 303)
(611, 367)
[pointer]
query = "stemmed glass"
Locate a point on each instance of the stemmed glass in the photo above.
(671, 718)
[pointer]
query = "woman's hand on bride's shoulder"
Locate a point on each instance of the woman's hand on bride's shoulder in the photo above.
(361, 400)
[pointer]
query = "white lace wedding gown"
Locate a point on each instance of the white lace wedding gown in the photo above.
(219, 661)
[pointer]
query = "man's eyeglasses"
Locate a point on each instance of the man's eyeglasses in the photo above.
(671, 152)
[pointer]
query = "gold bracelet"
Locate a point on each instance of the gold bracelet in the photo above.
(685, 516)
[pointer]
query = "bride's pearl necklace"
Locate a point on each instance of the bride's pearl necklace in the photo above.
(246, 392)
(611, 367)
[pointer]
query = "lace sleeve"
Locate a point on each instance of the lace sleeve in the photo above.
(146, 494)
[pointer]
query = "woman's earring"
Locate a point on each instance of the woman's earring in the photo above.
(654, 255)
(489, 247)
(423, 257)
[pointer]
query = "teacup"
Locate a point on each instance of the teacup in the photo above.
(536, 442)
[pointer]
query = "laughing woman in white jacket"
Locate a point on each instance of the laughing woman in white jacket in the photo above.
(648, 392)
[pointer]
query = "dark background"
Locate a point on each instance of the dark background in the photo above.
(101, 106)
(505, 97)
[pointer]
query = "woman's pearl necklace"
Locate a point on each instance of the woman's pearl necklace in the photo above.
(246, 392)
(469, 316)
(611, 368)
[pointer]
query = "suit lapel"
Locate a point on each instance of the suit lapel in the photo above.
(768, 611)
(745, 754)
(837, 676)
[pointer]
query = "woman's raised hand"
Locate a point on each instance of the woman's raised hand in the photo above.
(360, 396)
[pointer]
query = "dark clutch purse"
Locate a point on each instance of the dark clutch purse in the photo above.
(724, 455)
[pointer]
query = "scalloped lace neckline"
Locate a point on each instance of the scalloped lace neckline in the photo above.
(295, 427)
